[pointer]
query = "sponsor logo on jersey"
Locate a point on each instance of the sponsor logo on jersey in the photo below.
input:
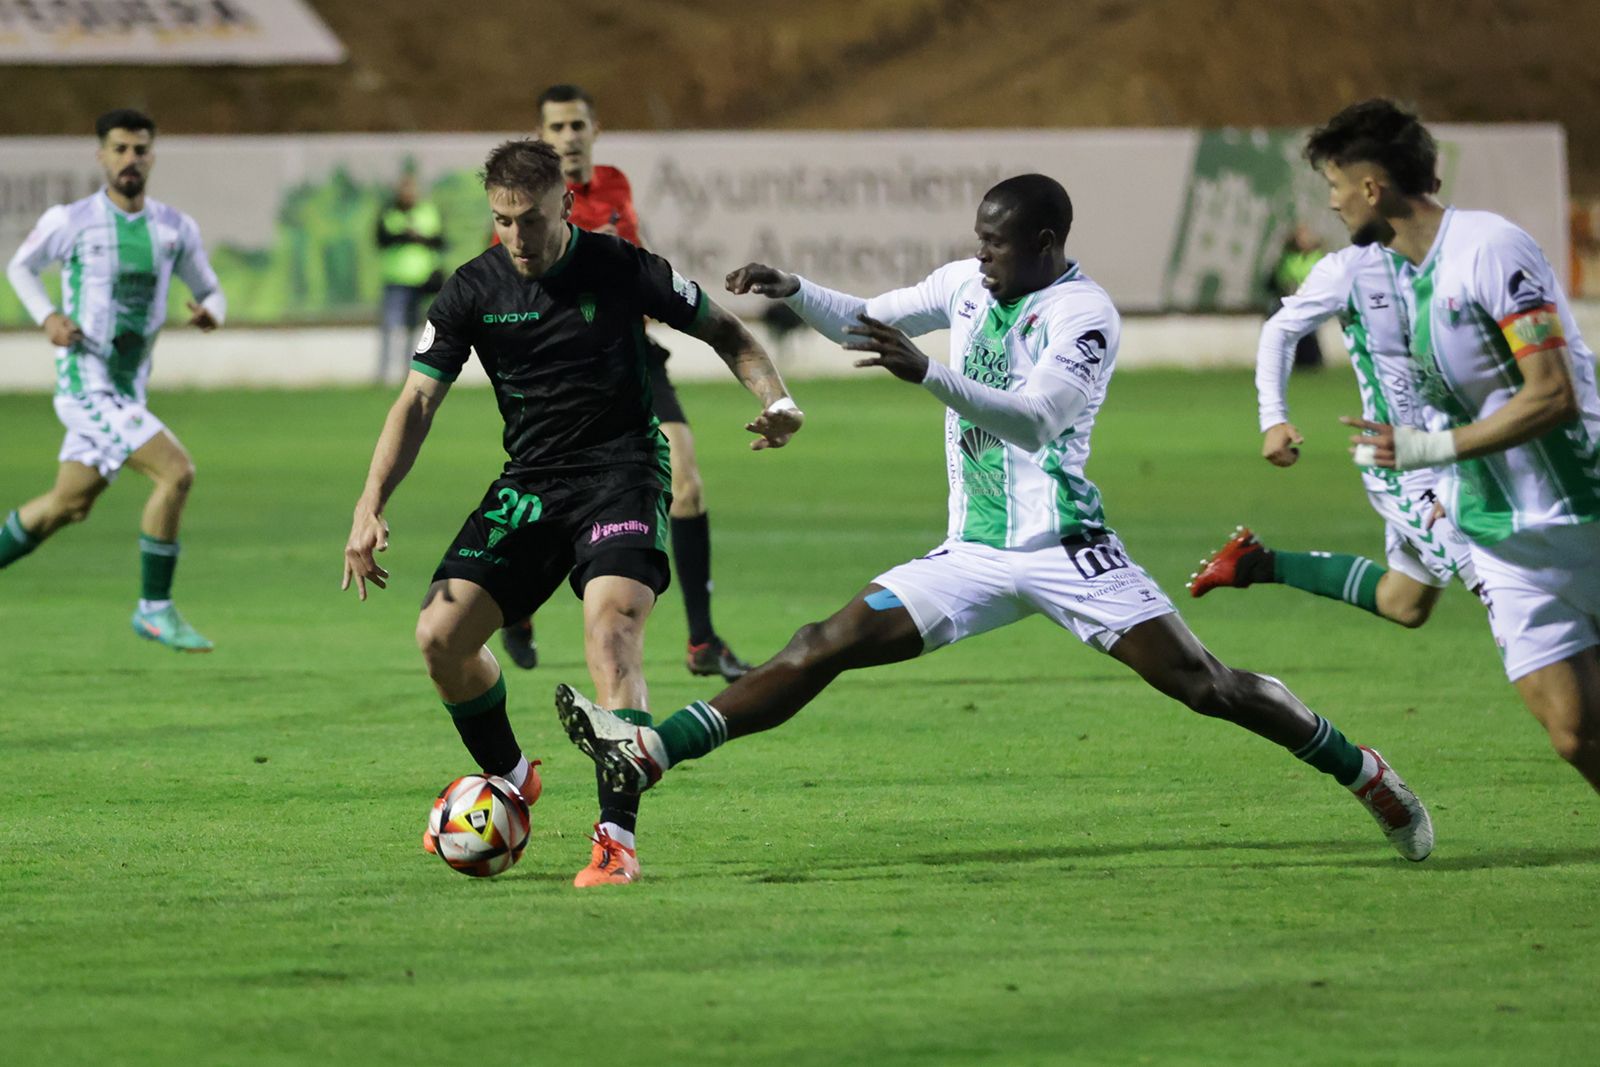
(1086, 354)
(1092, 345)
(604, 531)
(425, 342)
(504, 318)
(686, 289)
(1526, 294)
(986, 364)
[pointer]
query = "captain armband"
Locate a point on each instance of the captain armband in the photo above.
(1535, 330)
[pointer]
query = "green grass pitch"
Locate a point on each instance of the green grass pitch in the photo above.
(1008, 853)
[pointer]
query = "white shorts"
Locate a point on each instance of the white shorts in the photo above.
(1430, 556)
(963, 589)
(103, 430)
(1542, 589)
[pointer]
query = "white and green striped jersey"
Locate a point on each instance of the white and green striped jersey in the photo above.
(1058, 341)
(1484, 297)
(1361, 285)
(115, 270)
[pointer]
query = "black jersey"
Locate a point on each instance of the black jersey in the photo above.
(565, 351)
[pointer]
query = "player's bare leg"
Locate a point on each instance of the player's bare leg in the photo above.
(708, 654)
(614, 612)
(163, 460)
(1165, 653)
(858, 635)
(1404, 600)
(1565, 698)
(69, 500)
(457, 619)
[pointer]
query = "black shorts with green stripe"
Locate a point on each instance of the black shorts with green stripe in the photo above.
(529, 533)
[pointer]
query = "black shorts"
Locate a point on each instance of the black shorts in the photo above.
(663, 396)
(529, 534)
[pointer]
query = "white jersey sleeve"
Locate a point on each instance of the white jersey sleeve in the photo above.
(917, 309)
(48, 243)
(194, 267)
(1515, 284)
(1325, 290)
(1029, 418)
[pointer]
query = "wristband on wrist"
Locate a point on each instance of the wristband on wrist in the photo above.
(1414, 449)
(781, 405)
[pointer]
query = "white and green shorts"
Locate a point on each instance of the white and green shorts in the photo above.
(103, 429)
(1430, 555)
(1542, 589)
(963, 589)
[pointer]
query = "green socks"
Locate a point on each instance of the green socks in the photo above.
(1352, 579)
(1329, 752)
(15, 542)
(692, 732)
(157, 560)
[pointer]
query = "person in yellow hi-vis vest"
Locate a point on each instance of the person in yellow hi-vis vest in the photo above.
(411, 244)
(1300, 253)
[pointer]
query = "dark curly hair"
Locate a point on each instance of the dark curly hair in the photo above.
(1382, 132)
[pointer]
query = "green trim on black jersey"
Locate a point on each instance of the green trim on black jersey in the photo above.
(433, 372)
(702, 307)
(566, 257)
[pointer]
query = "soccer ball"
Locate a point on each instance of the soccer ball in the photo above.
(479, 825)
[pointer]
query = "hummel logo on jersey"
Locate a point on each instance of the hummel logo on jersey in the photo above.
(967, 308)
(1379, 301)
(510, 317)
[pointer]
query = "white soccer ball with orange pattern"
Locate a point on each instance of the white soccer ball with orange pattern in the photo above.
(479, 825)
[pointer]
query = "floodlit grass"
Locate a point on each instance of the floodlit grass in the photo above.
(1008, 853)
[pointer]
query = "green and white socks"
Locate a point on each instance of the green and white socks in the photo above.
(1330, 752)
(158, 560)
(1352, 579)
(689, 733)
(15, 542)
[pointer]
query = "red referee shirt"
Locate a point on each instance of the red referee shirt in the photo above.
(607, 200)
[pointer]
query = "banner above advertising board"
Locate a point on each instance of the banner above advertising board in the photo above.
(155, 32)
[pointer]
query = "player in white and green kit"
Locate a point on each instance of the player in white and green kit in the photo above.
(1359, 284)
(118, 250)
(1496, 348)
(1033, 343)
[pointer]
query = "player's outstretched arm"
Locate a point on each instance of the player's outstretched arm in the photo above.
(1029, 418)
(780, 418)
(1546, 400)
(398, 444)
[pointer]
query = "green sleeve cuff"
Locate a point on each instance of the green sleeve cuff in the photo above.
(701, 309)
(432, 371)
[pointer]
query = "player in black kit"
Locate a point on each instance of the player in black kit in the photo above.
(555, 315)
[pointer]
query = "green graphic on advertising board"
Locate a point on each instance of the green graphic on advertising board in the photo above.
(1247, 190)
(322, 265)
